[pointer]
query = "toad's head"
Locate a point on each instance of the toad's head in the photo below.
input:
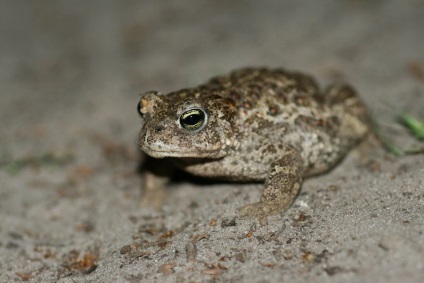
(187, 124)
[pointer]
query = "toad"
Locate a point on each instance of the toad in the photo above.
(255, 124)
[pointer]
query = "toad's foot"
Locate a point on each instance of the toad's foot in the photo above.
(281, 188)
(154, 191)
(259, 211)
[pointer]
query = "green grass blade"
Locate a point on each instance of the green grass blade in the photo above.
(415, 126)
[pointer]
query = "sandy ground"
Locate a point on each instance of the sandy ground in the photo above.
(70, 75)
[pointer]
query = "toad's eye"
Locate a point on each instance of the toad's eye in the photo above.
(193, 119)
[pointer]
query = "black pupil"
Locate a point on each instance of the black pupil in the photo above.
(192, 119)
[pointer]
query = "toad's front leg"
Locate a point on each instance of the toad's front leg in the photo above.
(281, 187)
(156, 177)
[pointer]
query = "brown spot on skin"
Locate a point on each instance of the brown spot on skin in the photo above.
(321, 123)
(230, 103)
(273, 110)
(282, 98)
(270, 149)
(303, 120)
(302, 101)
(340, 93)
(235, 95)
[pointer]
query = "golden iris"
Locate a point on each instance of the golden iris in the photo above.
(193, 119)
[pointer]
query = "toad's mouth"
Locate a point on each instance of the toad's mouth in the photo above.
(158, 148)
(180, 153)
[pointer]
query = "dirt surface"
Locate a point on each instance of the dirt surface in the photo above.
(70, 75)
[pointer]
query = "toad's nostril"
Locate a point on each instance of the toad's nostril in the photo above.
(158, 129)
